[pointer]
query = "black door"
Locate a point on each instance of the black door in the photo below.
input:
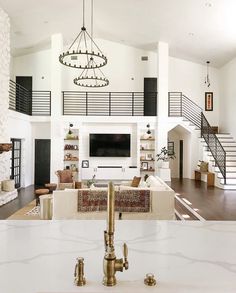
(16, 162)
(181, 156)
(150, 100)
(24, 94)
(42, 162)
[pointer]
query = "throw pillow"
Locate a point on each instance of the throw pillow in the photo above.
(204, 167)
(135, 181)
(8, 185)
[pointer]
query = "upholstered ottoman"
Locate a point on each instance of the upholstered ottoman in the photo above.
(51, 187)
(39, 192)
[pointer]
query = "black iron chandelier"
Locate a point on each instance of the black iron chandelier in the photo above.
(90, 78)
(83, 48)
(92, 75)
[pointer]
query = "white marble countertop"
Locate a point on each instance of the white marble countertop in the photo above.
(39, 256)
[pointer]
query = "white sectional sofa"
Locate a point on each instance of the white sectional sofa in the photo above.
(7, 191)
(65, 203)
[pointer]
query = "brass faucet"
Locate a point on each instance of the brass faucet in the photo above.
(110, 263)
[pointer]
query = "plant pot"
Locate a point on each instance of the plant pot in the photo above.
(165, 164)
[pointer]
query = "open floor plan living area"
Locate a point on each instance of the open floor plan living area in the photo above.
(117, 146)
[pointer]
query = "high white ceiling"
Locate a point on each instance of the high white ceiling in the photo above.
(196, 30)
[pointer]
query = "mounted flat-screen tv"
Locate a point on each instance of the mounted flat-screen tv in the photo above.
(109, 145)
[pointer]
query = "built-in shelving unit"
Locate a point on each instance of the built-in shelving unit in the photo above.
(147, 152)
(71, 151)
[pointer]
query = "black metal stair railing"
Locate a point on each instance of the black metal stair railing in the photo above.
(106, 103)
(214, 145)
(181, 106)
(33, 103)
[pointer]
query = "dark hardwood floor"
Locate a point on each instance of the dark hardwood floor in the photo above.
(25, 195)
(212, 203)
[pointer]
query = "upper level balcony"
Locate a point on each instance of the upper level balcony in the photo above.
(79, 103)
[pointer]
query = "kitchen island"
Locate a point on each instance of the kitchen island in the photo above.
(39, 256)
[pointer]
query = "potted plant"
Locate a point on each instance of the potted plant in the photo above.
(91, 181)
(165, 156)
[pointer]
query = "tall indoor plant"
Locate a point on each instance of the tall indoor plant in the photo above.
(165, 157)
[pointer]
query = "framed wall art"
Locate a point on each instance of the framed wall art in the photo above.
(209, 101)
(85, 164)
(144, 166)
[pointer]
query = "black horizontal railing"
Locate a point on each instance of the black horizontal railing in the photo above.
(33, 103)
(107, 103)
(181, 106)
(20, 99)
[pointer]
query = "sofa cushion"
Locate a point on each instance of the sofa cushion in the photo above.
(142, 184)
(153, 182)
(135, 181)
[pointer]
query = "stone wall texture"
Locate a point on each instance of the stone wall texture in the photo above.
(4, 87)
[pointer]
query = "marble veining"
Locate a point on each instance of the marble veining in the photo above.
(39, 256)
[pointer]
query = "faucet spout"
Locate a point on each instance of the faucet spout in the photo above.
(110, 263)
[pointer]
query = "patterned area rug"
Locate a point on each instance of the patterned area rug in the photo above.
(35, 211)
(28, 212)
(125, 200)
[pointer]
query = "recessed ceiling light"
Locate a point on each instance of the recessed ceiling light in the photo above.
(208, 4)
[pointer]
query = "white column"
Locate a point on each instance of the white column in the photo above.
(56, 107)
(162, 88)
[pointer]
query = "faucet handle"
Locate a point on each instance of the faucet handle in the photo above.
(125, 252)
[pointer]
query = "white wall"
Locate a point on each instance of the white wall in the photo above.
(228, 100)
(19, 127)
(36, 65)
(175, 135)
(189, 78)
(4, 87)
(125, 70)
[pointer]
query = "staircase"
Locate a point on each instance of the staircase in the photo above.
(229, 145)
(220, 148)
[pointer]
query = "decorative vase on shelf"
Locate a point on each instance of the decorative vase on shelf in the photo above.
(70, 136)
(145, 136)
(165, 164)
